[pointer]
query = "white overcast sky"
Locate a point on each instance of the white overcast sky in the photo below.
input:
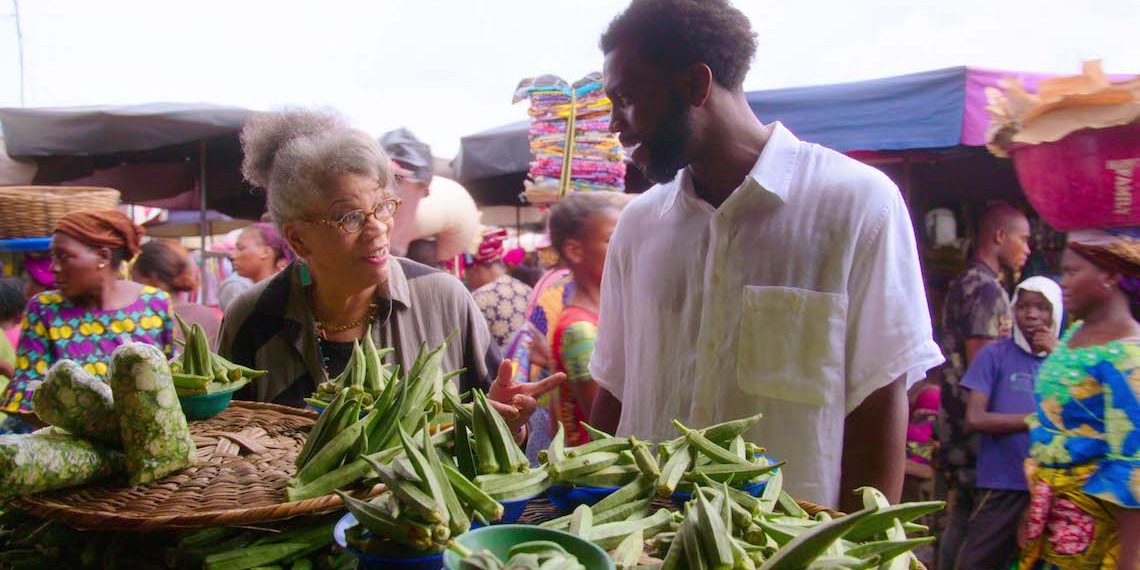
(448, 68)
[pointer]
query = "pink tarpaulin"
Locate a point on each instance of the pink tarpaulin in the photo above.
(975, 119)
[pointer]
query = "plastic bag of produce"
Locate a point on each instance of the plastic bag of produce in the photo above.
(77, 401)
(155, 436)
(36, 462)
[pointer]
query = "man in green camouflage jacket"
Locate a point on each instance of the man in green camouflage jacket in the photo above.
(976, 313)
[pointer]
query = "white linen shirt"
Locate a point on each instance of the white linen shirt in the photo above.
(797, 298)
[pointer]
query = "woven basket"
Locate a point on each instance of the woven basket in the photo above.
(245, 461)
(32, 211)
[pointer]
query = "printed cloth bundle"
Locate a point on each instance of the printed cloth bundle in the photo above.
(573, 149)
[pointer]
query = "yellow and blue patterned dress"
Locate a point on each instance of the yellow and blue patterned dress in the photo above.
(1084, 454)
(54, 329)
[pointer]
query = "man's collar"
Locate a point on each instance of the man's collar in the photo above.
(674, 191)
(982, 264)
(774, 169)
(771, 175)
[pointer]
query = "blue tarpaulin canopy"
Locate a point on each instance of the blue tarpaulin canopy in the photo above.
(920, 110)
(937, 109)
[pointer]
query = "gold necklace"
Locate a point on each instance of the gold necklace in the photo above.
(323, 330)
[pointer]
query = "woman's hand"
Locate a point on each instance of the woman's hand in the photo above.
(517, 401)
(1044, 341)
(540, 355)
(7, 368)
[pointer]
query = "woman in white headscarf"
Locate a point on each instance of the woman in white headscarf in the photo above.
(1036, 337)
(1000, 384)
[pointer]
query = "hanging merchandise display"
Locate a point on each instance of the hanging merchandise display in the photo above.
(570, 138)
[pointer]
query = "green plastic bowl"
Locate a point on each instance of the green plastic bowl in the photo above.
(500, 538)
(205, 406)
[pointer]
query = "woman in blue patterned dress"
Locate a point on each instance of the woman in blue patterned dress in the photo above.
(1084, 465)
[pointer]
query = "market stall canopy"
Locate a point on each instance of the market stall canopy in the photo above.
(493, 152)
(187, 223)
(150, 153)
(928, 110)
(91, 131)
(932, 109)
(15, 172)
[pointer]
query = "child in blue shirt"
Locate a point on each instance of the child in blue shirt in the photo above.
(1000, 381)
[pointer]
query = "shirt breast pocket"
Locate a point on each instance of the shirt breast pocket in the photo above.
(792, 344)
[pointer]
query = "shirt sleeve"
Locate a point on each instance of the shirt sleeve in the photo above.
(889, 334)
(607, 363)
(578, 341)
(228, 345)
(983, 372)
(1118, 470)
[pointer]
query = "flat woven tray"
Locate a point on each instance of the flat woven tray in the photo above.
(245, 460)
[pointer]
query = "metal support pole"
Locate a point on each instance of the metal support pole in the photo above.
(203, 223)
(20, 50)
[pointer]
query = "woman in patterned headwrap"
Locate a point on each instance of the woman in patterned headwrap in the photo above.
(93, 310)
(502, 298)
(1084, 465)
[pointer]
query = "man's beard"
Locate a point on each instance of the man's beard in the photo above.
(666, 149)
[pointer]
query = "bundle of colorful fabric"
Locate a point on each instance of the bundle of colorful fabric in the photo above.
(573, 148)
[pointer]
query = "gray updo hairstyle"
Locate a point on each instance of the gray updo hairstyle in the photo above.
(295, 154)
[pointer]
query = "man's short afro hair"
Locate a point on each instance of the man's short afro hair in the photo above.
(679, 33)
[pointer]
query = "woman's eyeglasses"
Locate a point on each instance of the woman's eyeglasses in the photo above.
(354, 221)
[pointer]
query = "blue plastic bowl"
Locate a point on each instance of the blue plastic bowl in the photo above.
(753, 489)
(26, 244)
(413, 561)
(205, 406)
(567, 497)
(512, 511)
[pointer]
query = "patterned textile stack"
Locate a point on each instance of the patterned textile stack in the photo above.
(570, 139)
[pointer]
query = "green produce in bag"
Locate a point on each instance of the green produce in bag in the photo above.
(37, 462)
(156, 438)
(77, 401)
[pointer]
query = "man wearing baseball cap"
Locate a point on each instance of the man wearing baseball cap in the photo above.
(412, 163)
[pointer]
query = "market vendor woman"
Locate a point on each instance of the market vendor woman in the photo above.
(330, 190)
(1084, 454)
(93, 310)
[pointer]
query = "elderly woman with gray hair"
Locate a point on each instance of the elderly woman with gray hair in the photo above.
(330, 189)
